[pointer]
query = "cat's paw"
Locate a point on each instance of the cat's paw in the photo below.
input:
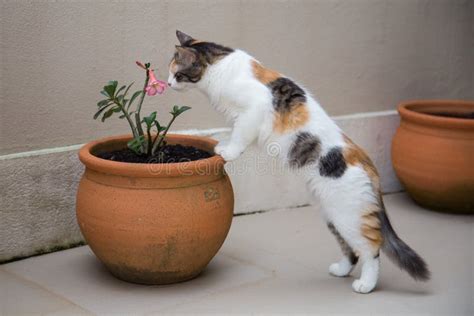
(220, 147)
(361, 287)
(228, 152)
(339, 270)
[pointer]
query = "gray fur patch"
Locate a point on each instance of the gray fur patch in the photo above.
(305, 150)
(286, 94)
(346, 249)
(211, 52)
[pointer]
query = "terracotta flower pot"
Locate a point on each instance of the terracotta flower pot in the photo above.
(433, 154)
(154, 223)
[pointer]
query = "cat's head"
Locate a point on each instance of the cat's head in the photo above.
(191, 59)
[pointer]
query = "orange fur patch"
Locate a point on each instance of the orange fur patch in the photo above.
(354, 155)
(173, 66)
(370, 228)
(263, 74)
(291, 120)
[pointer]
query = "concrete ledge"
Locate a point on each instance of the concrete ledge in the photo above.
(38, 188)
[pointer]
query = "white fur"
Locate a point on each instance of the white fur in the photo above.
(233, 90)
(342, 268)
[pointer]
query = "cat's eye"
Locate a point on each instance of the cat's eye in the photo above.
(179, 76)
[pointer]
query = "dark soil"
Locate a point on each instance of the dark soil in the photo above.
(167, 154)
(468, 115)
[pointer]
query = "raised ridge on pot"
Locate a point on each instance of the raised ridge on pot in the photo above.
(429, 112)
(87, 157)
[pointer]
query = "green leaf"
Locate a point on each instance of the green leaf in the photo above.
(110, 88)
(110, 91)
(109, 112)
(120, 99)
(149, 120)
(113, 83)
(105, 106)
(125, 94)
(97, 114)
(136, 144)
(128, 88)
(184, 108)
(134, 96)
(178, 110)
(121, 88)
(104, 93)
(159, 127)
(102, 103)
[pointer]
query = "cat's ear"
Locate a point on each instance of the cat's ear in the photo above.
(186, 55)
(183, 38)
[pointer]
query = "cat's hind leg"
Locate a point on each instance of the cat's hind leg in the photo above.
(345, 266)
(369, 275)
(360, 239)
(369, 244)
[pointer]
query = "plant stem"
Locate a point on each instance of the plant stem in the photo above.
(139, 107)
(154, 140)
(127, 116)
(149, 141)
(162, 137)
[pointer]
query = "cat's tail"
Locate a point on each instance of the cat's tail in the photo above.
(400, 253)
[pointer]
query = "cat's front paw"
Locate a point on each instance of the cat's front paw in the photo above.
(220, 147)
(339, 270)
(228, 152)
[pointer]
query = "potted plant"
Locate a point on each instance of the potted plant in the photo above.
(154, 208)
(433, 153)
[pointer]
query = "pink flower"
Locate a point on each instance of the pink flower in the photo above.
(154, 85)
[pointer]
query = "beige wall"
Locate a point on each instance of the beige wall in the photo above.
(355, 56)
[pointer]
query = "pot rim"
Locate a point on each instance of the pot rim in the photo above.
(158, 170)
(410, 110)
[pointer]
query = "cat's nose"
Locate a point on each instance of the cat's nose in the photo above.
(169, 84)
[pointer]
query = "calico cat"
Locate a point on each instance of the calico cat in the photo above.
(271, 108)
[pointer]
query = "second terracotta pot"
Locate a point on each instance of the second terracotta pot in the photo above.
(433, 153)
